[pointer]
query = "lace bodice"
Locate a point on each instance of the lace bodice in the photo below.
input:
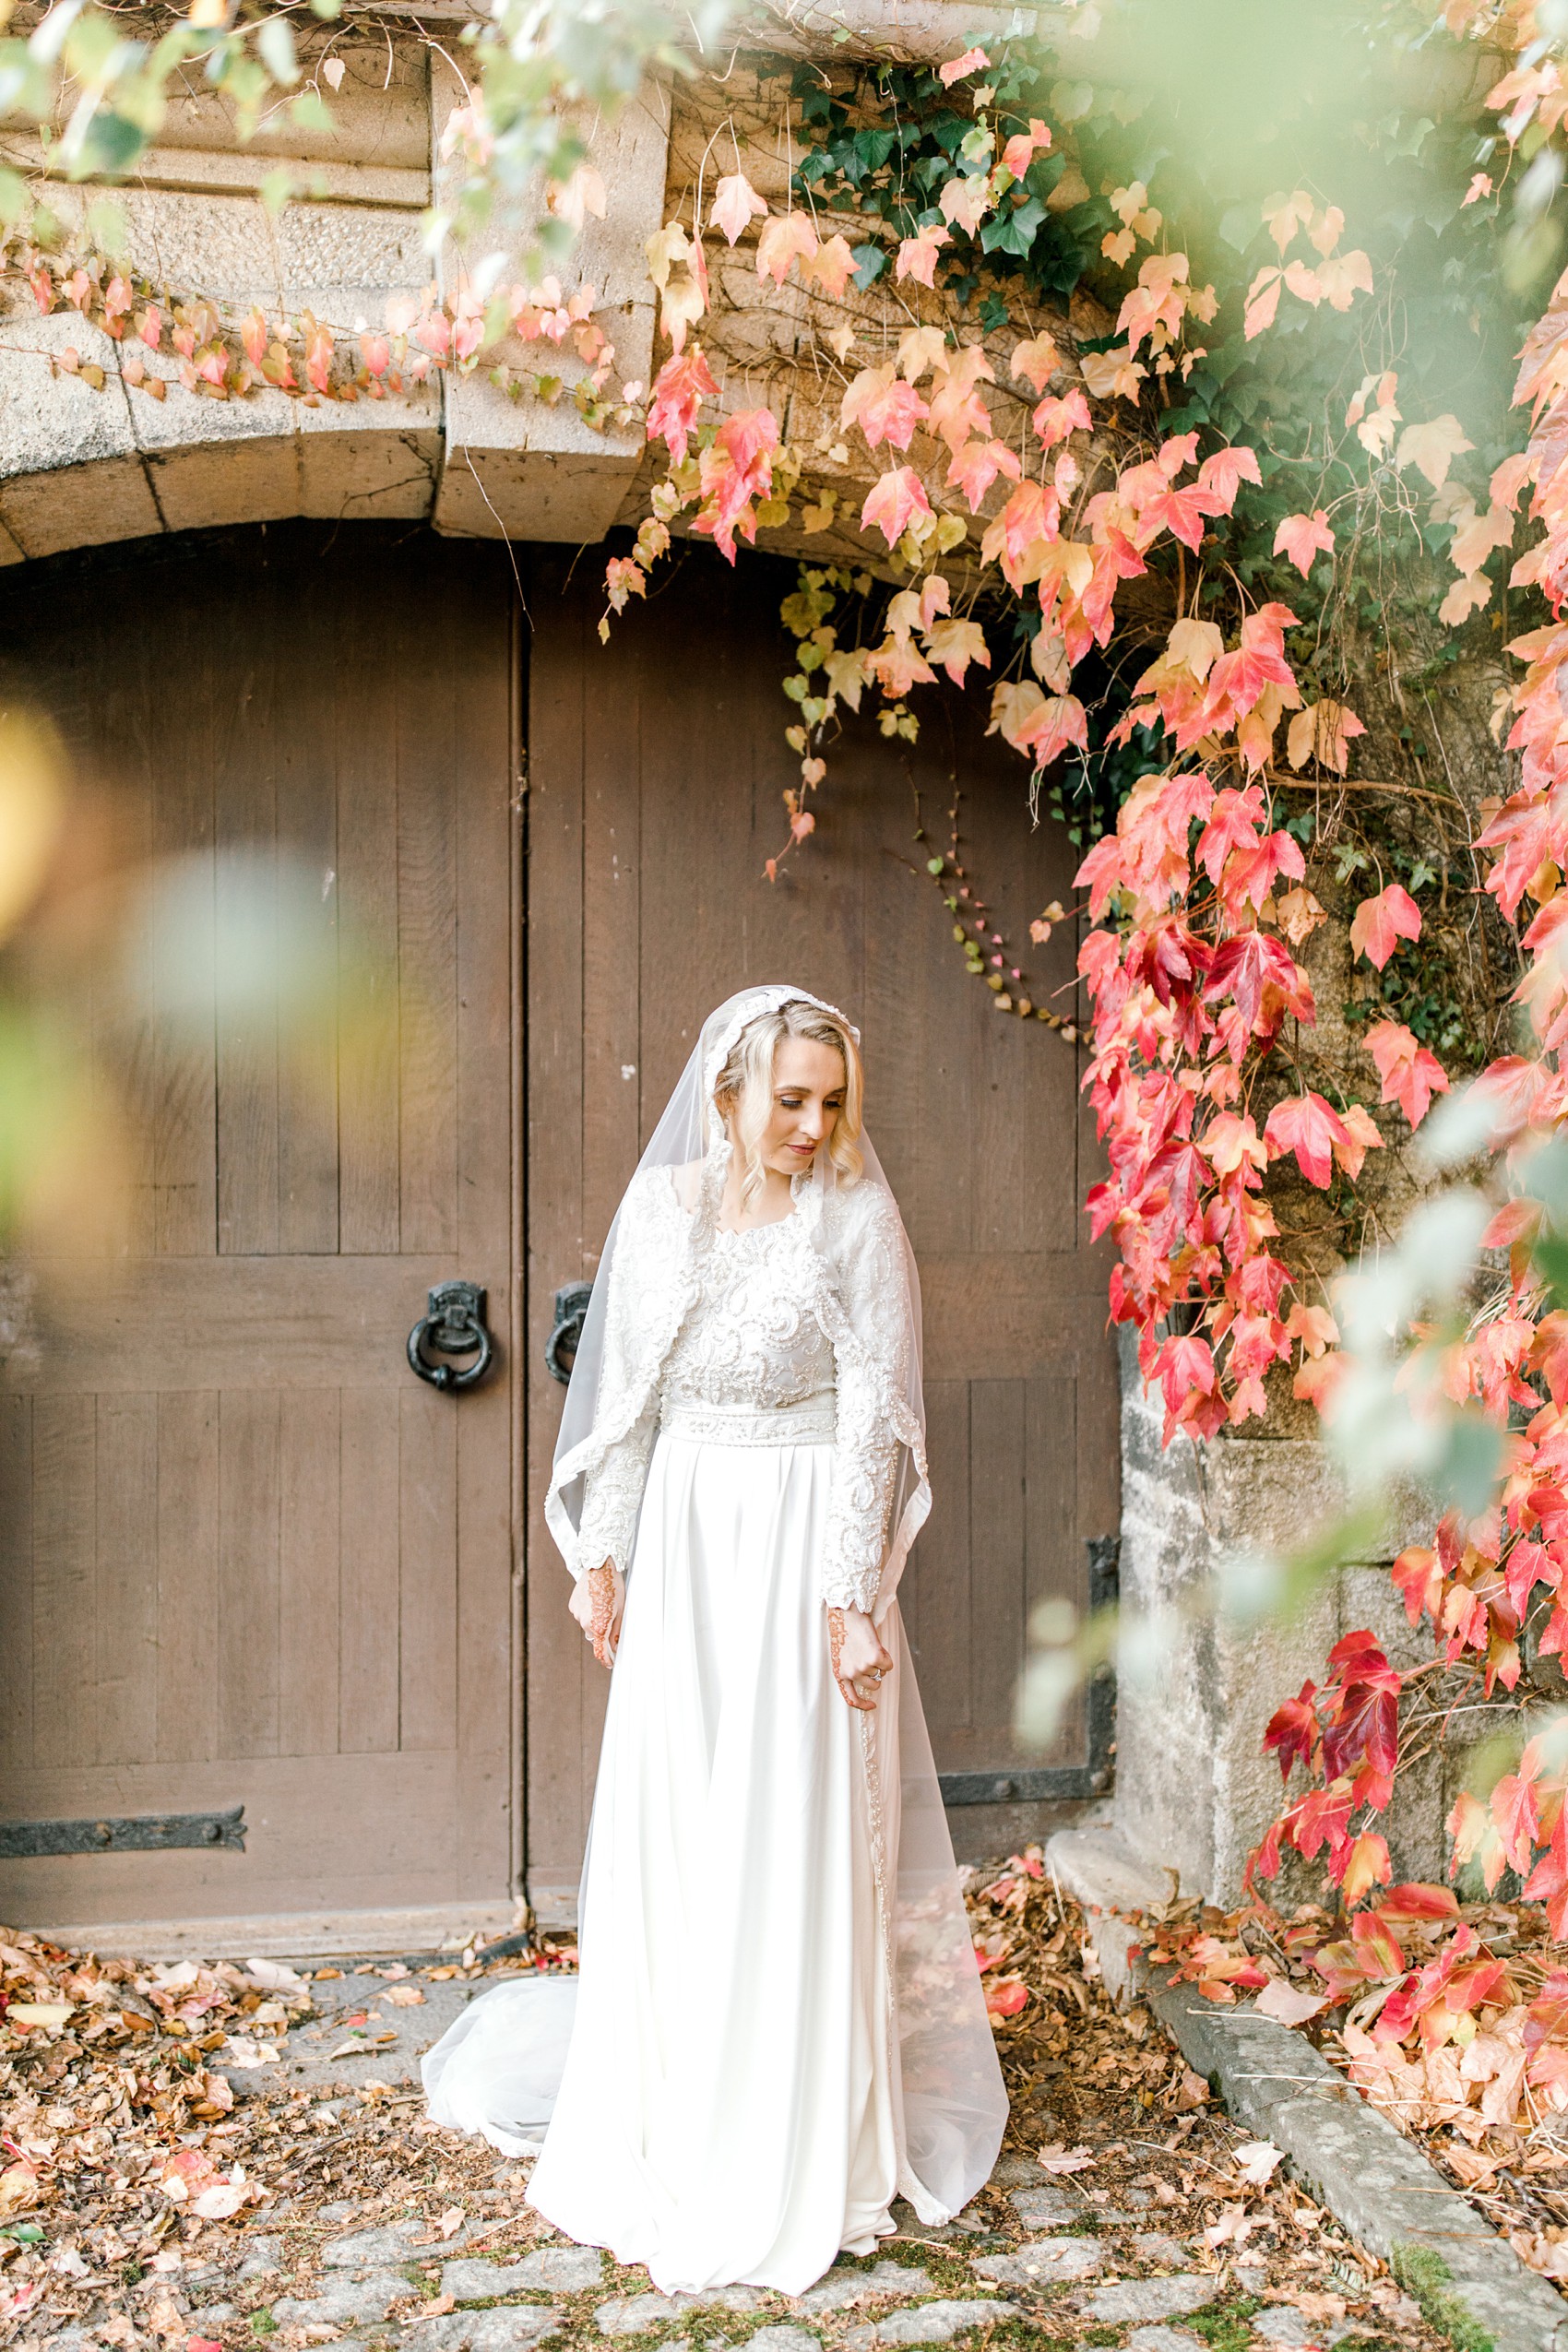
(751, 1339)
(756, 1329)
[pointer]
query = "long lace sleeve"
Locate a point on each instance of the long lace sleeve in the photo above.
(614, 1497)
(870, 1362)
(614, 1486)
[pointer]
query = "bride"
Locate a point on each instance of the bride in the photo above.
(779, 2026)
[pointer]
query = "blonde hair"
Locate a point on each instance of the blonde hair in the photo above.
(743, 1091)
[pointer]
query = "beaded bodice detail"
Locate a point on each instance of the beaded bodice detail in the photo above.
(751, 1341)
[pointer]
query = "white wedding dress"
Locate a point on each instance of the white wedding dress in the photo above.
(779, 2025)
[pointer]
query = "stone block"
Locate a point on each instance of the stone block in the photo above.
(393, 2242)
(570, 2270)
(842, 2290)
(508, 2328)
(629, 2314)
(1150, 2298)
(1044, 2264)
(939, 2323)
(1047, 2206)
(526, 468)
(1196, 1685)
(344, 2301)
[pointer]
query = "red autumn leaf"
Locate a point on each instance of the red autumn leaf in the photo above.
(1304, 538)
(1418, 1576)
(1379, 924)
(735, 204)
(1004, 1996)
(1362, 1867)
(957, 69)
(680, 385)
(893, 502)
(1222, 474)
(1410, 1075)
(1292, 1730)
(1515, 1811)
(1414, 1900)
(1310, 1127)
(1547, 1883)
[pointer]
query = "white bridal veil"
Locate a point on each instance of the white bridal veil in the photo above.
(497, 2070)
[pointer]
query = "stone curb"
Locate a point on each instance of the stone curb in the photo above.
(1374, 2182)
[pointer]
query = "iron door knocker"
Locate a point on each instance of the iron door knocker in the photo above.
(454, 1326)
(561, 1347)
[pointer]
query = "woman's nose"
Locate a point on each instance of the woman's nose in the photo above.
(812, 1121)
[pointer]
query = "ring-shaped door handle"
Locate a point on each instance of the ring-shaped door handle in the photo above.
(561, 1347)
(454, 1325)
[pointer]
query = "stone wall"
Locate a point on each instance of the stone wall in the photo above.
(1195, 1786)
(80, 467)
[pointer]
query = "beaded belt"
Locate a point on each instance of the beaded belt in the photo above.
(811, 1422)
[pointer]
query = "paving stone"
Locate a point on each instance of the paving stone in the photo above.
(1046, 2207)
(263, 2258)
(214, 2314)
(842, 2290)
(391, 2243)
(343, 2301)
(506, 2329)
(1157, 2246)
(783, 2339)
(1285, 2325)
(628, 2314)
(567, 2269)
(1164, 2339)
(1015, 2172)
(1150, 2298)
(939, 2323)
(1047, 2259)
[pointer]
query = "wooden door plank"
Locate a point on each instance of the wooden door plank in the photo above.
(249, 1500)
(238, 1322)
(247, 909)
(369, 1576)
(938, 1605)
(184, 1107)
(306, 801)
(616, 1110)
(364, 753)
(308, 1595)
(425, 689)
(331, 1834)
(123, 1067)
(483, 656)
(482, 1834)
(427, 1556)
(997, 1470)
(189, 1549)
(565, 1711)
(1056, 1563)
(64, 1555)
(17, 1661)
(125, 1714)
(490, 1107)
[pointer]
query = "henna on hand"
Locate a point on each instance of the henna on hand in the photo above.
(846, 1684)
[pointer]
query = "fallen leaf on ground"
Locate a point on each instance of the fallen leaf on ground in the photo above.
(1059, 2159)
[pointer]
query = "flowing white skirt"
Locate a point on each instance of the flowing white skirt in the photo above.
(779, 2025)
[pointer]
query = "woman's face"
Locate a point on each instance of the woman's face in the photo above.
(808, 1095)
